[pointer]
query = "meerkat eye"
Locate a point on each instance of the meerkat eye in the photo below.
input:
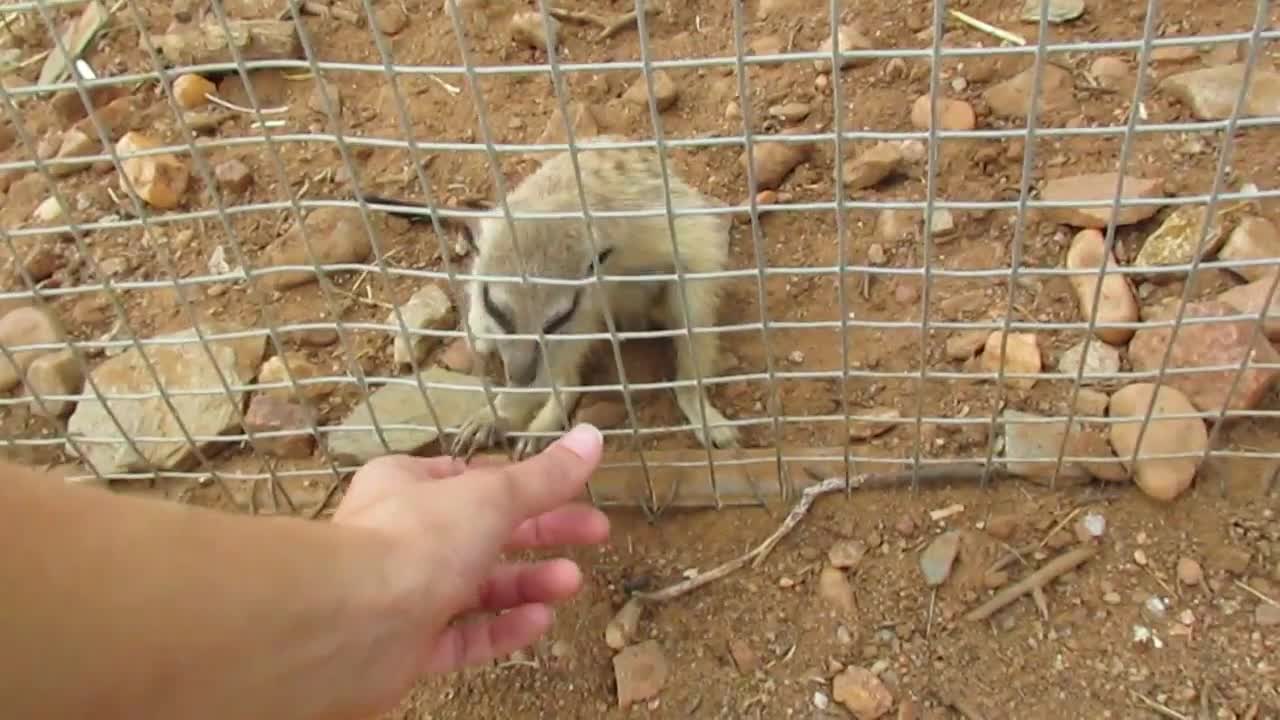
(558, 321)
(599, 261)
(499, 316)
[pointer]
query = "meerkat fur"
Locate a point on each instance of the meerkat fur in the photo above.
(613, 180)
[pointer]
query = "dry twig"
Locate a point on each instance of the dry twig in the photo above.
(1158, 708)
(1060, 565)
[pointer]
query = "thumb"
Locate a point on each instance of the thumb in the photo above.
(553, 477)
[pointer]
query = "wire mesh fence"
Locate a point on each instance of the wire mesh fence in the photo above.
(906, 282)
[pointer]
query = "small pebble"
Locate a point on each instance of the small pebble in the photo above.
(1189, 572)
(1140, 558)
(1111, 598)
(795, 357)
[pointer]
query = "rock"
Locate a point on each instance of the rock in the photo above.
(640, 672)
(316, 337)
(75, 144)
(1251, 298)
(604, 414)
(1267, 614)
(665, 91)
(1207, 345)
(115, 118)
(233, 175)
(160, 180)
(847, 554)
(1012, 98)
(938, 558)
(1174, 53)
(528, 28)
(790, 112)
(1254, 238)
(1211, 93)
(1099, 187)
(1116, 301)
(273, 371)
(585, 126)
(1101, 361)
(850, 39)
(337, 235)
(24, 326)
(1091, 403)
(457, 356)
(1060, 11)
(952, 114)
(181, 365)
(835, 590)
(268, 413)
(775, 160)
(189, 91)
(44, 259)
(876, 254)
(872, 166)
(767, 45)
(1160, 478)
(1113, 73)
(744, 658)
(1023, 356)
(941, 224)
(862, 693)
(402, 404)
(893, 226)
(1031, 446)
(428, 309)
(1189, 572)
(966, 343)
(905, 525)
(1230, 559)
(1176, 240)
(55, 373)
(325, 92)
(390, 20)
(49, 212)
(883, 420)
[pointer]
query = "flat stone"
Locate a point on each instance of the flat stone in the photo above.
(850, 39)
(277, 369)
(1176, 240)
(938, 558)
(1206, 345)
(1032, 447)
(1022, 355)
(665, 91)
(893, 225)
(1095, 187)
(184, 366)
(872, 166)
(966, 343)
(1250, 298)
(1162, 479)
(847, 554)
(1012, 98)
(233, 175)
(952, 114)
(836, 592)
(1211, 93)
(337, 236)
(402, 404)
(883, 420)
(640, 671)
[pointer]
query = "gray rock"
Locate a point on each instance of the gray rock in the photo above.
(356, 441)
(1012, 98)
(938, 558)
(428, 309)
(180, 367)
(1060, 11)
(1037, 444)
(1100, 362)
(1211, 92)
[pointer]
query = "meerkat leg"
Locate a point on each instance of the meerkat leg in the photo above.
(697, 361)
(567, 372)
(483, 429)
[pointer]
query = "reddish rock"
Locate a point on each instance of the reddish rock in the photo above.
(640, 672)
(268, 413)
(1099, 187)
(1207, 345)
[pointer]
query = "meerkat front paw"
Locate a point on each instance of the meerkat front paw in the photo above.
(723, 437)
(482, 430)
(530, 446)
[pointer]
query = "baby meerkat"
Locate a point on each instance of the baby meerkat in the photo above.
(613, 180)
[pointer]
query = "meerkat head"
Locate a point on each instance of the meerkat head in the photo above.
(547, 249)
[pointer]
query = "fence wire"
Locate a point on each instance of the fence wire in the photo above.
(35, 31)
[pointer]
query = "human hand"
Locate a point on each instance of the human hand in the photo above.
(448, 526)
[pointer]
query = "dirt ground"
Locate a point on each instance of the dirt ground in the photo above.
(1217, 656)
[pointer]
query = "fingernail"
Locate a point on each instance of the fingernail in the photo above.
(584, 440)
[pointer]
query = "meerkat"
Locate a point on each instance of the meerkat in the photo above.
(613, 180)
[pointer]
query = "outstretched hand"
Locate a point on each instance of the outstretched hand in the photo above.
(449, 526)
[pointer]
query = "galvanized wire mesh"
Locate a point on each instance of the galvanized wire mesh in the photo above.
(247, 269)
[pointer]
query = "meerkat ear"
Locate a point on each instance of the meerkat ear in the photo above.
(599, 261)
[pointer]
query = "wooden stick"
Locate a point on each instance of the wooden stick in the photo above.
(1060, 565)
(576, 16)
(314, 7)
(621, 22)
